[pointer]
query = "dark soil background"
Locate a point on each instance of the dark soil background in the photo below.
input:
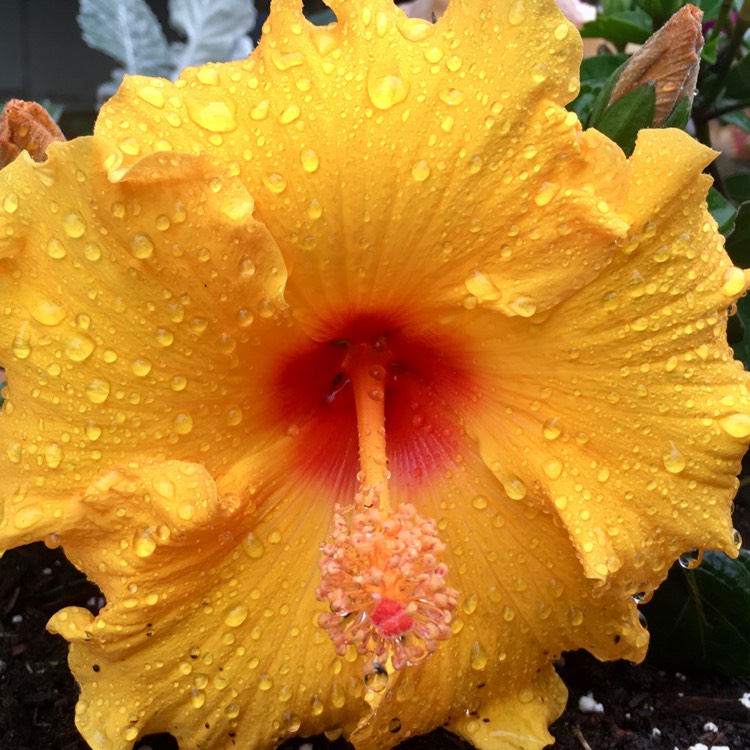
(645, 707)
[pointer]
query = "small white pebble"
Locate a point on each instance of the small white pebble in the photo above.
(699, 746)
(680, 676)
(655, 732)
(588, 705)
(46, 571)
(306, 746)
(17, 619)
(709, 726)
(745, 700)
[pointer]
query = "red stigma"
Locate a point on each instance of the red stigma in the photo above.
(390, 619)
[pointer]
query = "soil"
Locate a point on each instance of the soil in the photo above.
(644, 707)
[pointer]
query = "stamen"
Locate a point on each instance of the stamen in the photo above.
(381, 570)
(385, 586)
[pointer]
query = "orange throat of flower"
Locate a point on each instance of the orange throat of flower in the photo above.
(381, 571)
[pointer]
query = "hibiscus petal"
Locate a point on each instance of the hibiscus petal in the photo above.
(209, 612)
(133, 313)
(635, 435)
(451, 178)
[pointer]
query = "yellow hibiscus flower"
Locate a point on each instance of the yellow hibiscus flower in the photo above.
(363, 382)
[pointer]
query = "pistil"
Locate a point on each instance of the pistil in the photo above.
(381, 570)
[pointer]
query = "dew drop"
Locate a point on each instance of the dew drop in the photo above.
(517, 13)
(141, 246)
(73, 224)
(478, 657)
(551, 428)
(394, 725)
(144, 543)
(310, 160)
(514, 488)
(151, 95)
(691, 559)
(92, 430)
(387, 91)
(674, 461)
(540, 73)
(561, 31)
(376, 681)
(235, 616)
(420, 171)
(10, 203)
(21, 344)
(275, 182)
(53, 455)
(314, 209)
(197, 698)
(733, 282)
(178, 383)
(253, 546)
(215, 115)
(479, 502)
(546, 193)
(523, 306)
(79, 348)
(55, 248)
(290, 114)
(182, 423)
(97, 390)
(130, 733)
(452, 96)
(575, 617)
(736, 425)
(140, 367)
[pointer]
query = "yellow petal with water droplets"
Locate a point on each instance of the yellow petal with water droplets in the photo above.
(136, 332)
(210, 614)
(645, 413)
(451, 167)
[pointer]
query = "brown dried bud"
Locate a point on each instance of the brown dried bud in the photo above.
(670, 60)
(26, 126)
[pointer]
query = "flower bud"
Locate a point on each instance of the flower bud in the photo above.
(669, 60)
(26, 126)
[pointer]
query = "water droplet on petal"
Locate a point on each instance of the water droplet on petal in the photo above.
(235, 616)
(73, 224)
(310, 160)
(215, 115)
(21, 344)
(144, 542)
(151, 95)
(97, 390)
(141, 246)
(674, 461)
(420, 171)
(79, 347)
(10, 203)
(736, 425)
(691, 559)
(478, 657)
(387, 91)
(517, 13)
(275, 182)
(733, 282)
(182, 423)
(55, 248)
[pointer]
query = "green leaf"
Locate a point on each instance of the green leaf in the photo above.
(738, 118)
(620, 28)
(700, 619)
(128, 31)
(622, 120)
(610, 7)
(738, 328)
(738, 241)
(721, 209)
(737, 186)
(660, 10)
(680, 114)
(710, 49)
(595, 76)
(737, 84)
(215, 30)
(710, 9)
